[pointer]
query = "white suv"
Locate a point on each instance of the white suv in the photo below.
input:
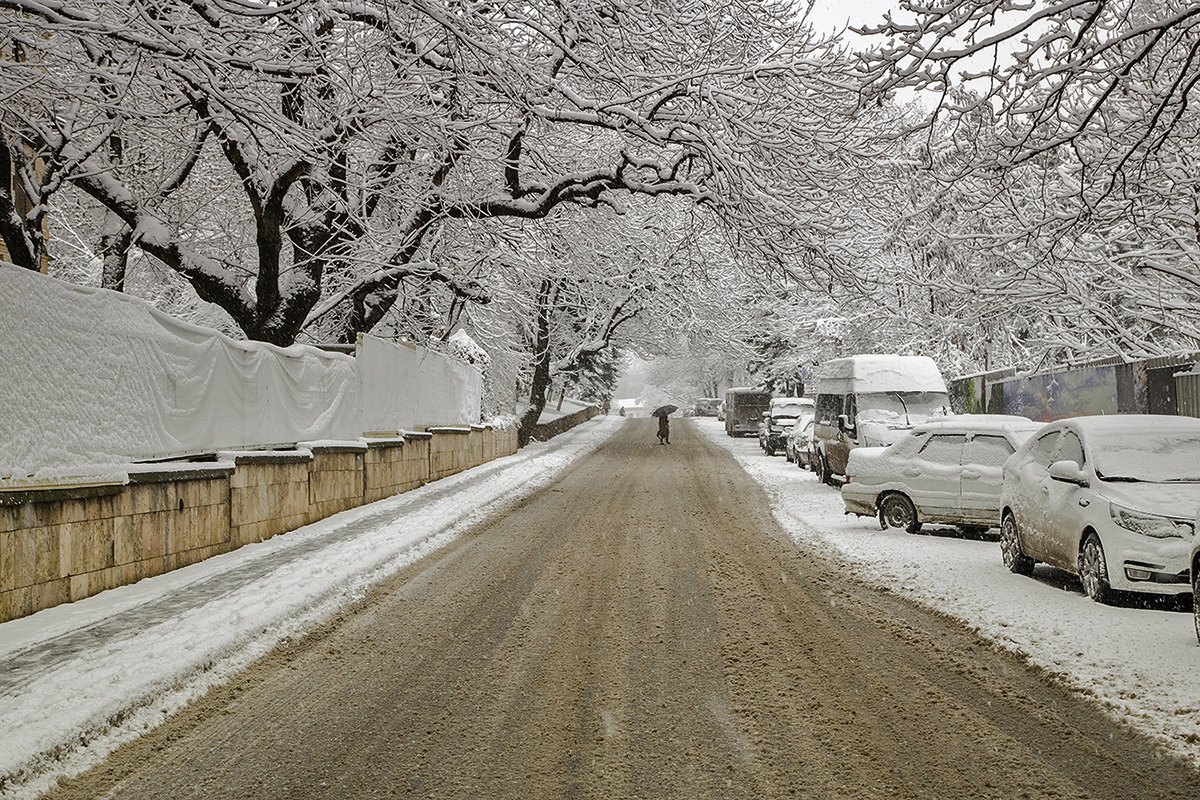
(1111, 499)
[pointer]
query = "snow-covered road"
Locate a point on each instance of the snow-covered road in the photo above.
(1143, 665)
(78, 679)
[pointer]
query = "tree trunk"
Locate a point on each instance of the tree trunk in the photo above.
(114, 247)
(541, 366)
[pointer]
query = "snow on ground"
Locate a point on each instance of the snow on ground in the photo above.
(1142, 665)
(105, 669)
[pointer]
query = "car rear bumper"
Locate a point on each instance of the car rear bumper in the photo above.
(859, 499)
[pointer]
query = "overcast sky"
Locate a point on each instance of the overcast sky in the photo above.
(836, 14)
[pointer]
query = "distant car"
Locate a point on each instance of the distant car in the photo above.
(708, 406)
(778, 419)
(799, 443)
(1112, 499)
(946, 471)
(721, 412)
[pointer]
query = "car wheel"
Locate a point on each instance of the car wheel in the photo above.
(1196, 599)
(787, 454)
(770, 448)
(1093, 571)
(1010, 548)
(823, 469)
(897, 511)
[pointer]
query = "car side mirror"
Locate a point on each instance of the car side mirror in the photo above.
(844, 424)
(1068, 472)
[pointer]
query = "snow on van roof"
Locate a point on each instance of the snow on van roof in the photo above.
(877, 372)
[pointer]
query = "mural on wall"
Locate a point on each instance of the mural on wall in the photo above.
(1136, 387)
(966, 395)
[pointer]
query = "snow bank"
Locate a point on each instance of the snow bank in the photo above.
(1142, 665)
(79, 679)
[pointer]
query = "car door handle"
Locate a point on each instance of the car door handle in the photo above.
(1084, 502)
(970, 473)
(910, 473)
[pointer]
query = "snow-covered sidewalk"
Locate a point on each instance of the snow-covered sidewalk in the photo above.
(1142, 665)
(78, 679)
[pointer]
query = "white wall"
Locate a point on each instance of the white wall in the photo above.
(91, 377)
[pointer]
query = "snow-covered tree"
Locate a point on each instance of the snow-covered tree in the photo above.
(297, 162)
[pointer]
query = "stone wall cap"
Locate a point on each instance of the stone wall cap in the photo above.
(336, 445)
(51, 492)
(479, 427)
(385, 441)
(266, 456)
(169, 471)
(418, 435)
(447, 429)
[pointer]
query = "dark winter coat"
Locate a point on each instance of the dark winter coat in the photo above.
(664, 427)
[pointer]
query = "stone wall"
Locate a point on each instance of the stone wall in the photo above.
(335, 478)
(548, 430)
(268, 494)
(449, 451)
(64, 543)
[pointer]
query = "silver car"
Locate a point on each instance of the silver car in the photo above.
(946, 471)
(1111, 499)
(798, 447)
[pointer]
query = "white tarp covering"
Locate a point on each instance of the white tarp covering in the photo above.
(90, 377)
(404, 386)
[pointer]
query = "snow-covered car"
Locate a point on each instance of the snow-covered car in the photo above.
(1111, 499)
(946, 471)
(778, 419)
(798, 448)
(721, 412)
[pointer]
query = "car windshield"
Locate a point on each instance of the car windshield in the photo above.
(890, 407)
(1150, 458)
(789, 410)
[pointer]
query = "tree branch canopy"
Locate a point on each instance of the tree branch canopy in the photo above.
(297, 162)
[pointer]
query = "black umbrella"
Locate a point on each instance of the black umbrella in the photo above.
(662, 411)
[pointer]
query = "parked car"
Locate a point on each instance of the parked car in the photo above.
(743, 410)
(1111, 499)
(778, 419)
(946, 471)
(707, 406)
(869, 401)
(799, 443)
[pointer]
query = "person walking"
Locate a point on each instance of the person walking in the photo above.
(664, 430)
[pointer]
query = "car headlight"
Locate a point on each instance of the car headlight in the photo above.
(1152, 525)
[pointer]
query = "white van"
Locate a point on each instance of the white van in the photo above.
(869, 401)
